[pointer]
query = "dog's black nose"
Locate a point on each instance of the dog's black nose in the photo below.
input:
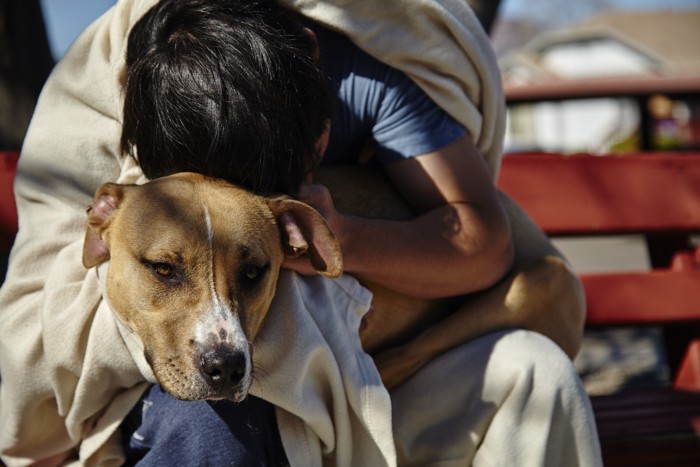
(222, 367)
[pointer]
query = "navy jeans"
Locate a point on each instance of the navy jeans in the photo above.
(162, 430)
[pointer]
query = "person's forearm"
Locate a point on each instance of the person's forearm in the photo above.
(449, 251)
(541, 293)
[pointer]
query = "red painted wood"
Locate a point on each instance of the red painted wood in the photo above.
(641, 86)
(586, 194)
(688, 377)
(8, 210)
(659, 296)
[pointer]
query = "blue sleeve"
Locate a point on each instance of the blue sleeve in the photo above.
(408, 123)
(374, 102)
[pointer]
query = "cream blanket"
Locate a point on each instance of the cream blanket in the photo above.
(70, 374)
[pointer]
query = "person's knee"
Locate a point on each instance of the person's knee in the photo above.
(527, 359)
(538, 396)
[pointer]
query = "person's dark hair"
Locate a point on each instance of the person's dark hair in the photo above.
(227, 88)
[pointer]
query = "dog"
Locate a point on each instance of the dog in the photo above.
(194, 262)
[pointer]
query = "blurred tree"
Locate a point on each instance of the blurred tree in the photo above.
(25, 63)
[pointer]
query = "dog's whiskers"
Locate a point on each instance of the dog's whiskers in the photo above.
(258, 375)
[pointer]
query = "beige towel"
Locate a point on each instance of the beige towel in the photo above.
(68, 372)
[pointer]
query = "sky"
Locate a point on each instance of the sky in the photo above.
(532, 9)
(65, 19)
(555, 14)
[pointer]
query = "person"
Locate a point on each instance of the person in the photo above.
(71, 411)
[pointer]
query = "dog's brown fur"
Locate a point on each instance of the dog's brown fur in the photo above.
(138, 227)
(193, 268)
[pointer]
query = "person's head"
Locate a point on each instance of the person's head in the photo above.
(227, 88)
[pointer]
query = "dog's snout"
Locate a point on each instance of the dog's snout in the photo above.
(222, 367)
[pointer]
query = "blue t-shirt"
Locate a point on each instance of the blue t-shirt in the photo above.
(374, 102)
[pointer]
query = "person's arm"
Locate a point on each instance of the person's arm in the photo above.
(460, 242)
(541, 293)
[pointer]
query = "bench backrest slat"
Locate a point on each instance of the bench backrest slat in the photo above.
(586, 194)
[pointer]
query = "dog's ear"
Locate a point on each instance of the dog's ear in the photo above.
(304, 230)
(99, 215)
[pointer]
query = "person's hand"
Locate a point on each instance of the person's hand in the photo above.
(318, 197)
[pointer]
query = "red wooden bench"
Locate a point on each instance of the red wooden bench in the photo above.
(657, 195)
(8, 211)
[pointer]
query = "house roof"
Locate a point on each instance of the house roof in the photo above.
(671, 37)
(667, 39)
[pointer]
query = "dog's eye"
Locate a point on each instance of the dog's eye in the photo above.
(253, 273)
(164, 270)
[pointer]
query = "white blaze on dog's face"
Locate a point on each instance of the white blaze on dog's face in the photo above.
(193, 268)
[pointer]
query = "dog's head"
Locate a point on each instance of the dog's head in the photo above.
(193, 268)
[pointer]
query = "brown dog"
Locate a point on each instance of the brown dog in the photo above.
(193, 267)
(194, 263)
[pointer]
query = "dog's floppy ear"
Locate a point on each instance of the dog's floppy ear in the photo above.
(304, 230)
(99, 215)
